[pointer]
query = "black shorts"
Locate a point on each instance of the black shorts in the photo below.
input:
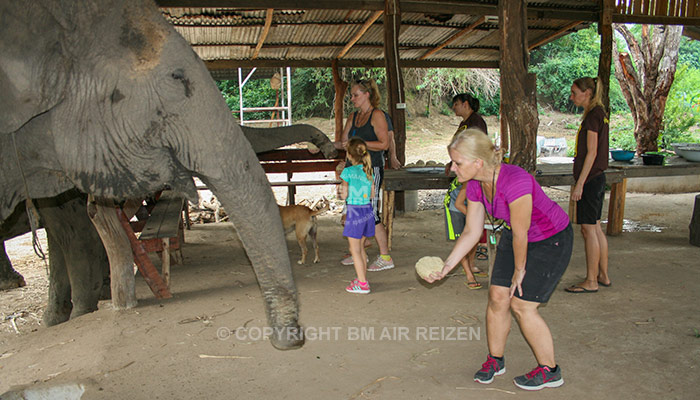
(590, 208)
(546, 262)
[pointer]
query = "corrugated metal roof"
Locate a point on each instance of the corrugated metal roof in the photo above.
(320, 35)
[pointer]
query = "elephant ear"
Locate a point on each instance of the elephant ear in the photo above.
(33, 66)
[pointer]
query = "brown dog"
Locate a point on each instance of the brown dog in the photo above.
(303, 220)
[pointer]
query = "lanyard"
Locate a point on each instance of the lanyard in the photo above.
(490, 216)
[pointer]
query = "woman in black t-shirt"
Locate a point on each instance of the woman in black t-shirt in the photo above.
(590, 162)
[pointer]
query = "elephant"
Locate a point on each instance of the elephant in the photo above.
(106, 97)
(74, 276)
(78, 264)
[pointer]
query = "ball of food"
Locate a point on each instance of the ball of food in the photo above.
(420, 163)
(431, 163)
(427, 265)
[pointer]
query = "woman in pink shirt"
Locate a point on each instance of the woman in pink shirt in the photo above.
(533, 253)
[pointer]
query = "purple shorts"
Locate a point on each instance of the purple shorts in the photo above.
(359, 221)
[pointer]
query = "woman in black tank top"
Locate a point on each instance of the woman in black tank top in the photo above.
(368, 123)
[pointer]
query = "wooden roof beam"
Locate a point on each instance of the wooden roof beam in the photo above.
(554, 35)
(359, 33)
(453, 38)
(234, 64)
(263, 34)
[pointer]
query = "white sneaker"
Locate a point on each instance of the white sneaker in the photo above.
(381, 264)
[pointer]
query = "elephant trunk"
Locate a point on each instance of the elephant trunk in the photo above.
(227, 164)
(255, 216)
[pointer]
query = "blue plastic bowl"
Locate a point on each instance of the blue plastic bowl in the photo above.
(622, 155)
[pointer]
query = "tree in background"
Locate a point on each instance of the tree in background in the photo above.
(654, 53)
(441, 84)
(560, 62)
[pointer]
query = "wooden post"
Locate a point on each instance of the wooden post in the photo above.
(391, 201)
(340, 87)
(518, 88)
(606, 43)
(695, 223)
(165, 258)
(142, 261)
(616, 207)
(504, 128)
(102, 213)
(396, 101)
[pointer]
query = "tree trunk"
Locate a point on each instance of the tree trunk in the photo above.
(340, 87)
(646, 87)
(517, 86)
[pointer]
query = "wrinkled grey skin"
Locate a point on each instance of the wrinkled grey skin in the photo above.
(106, 97)
(78, 265)
(74, 276)
(16, 224)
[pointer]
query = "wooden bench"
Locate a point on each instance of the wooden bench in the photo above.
(163, 231)
(290, 161)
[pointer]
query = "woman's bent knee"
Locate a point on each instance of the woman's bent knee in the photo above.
(499, 298)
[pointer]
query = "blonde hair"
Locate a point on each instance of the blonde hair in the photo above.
(596, 86)
(474, 144)
(369, 86)
(358, 154)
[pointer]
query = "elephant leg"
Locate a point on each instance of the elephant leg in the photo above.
(72, 235)
(59, 306)
(9, 278)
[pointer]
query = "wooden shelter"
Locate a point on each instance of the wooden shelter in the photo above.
(398, 34)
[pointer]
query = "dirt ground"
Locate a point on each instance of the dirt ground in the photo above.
(405, 340)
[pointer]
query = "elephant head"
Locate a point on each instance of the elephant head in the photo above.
(105, 96)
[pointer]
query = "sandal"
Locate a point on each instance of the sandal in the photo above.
(473, 285)
(579, 289)
(481, 274)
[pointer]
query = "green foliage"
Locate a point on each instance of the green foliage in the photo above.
(570, 147)
(622, 137)
(256, 93)
(571, 125)
(682, 111)
(559, 63)
(312, 92)
(489, 105)
(689, 52)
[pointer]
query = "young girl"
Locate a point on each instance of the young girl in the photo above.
(357, 191)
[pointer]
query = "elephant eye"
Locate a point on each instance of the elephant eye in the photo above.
(178, 74)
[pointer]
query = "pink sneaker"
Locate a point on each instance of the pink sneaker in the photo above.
(347, 260)
(358, 287)
(380, 264)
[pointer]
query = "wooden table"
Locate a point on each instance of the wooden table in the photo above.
(674, 166)
(546, 175)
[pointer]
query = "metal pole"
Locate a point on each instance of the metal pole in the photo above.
(240, 96)
(289, 95)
